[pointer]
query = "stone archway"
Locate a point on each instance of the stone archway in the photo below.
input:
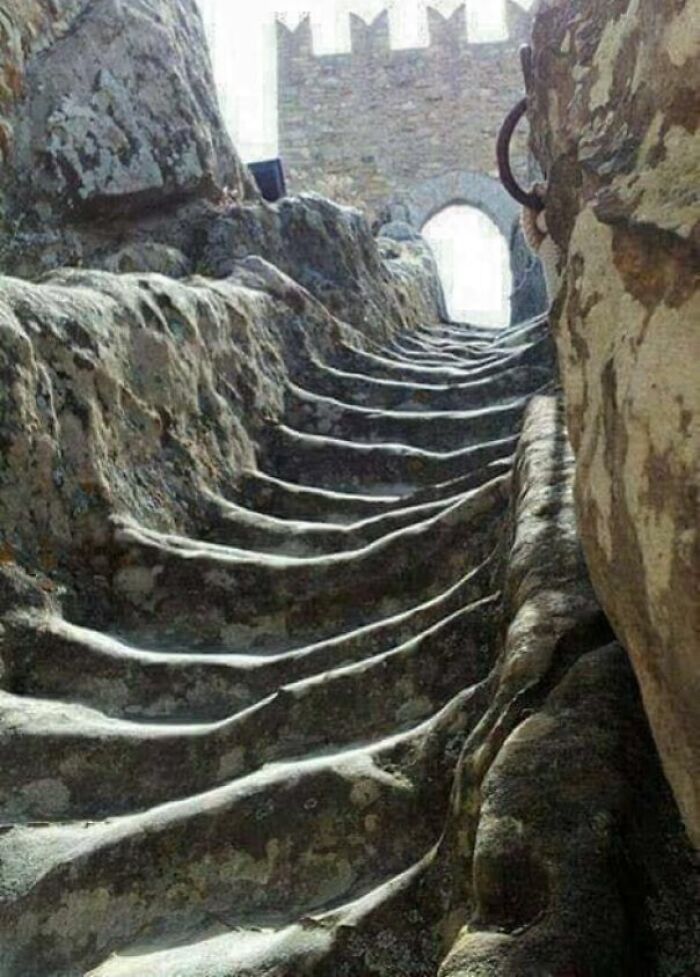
(419, 203)
(478, 190)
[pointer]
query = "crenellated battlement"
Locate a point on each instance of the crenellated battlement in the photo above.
(370, 37)
(447, 29)
(373, 36)
(295, 41)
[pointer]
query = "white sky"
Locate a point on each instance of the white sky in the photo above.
(242, 37)
(474, 265)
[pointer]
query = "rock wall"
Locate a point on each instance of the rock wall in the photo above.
(614, 111)
(301, 671)
(109, 114)
(26, 27)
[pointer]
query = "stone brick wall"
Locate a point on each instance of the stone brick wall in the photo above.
(369, 127)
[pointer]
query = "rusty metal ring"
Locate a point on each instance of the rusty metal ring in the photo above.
(527, 199)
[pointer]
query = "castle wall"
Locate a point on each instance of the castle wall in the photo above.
(368, 127)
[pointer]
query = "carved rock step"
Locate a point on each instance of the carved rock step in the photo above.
(397, 352)
(417, 342)
(432, 430)
(220, 949)
(216, 595)
(383, 366)
(268, 494)
(288, 500)
(502, 386)
(379, 926)
(456, 346)
(235, 525)
(270, 730)
(415, 346)
(389, 468)
(289, 839)
(486, 337)
(54, 659)
(107, 766)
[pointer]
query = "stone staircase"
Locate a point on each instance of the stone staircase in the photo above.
(249, 770)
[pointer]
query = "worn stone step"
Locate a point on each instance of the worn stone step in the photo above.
(438, 492)
(430, 429)
(265, 741)
(52, 658)
(289, 839)
(235, 525)
(61, 760)
(428, 338)
(418, 345)
(380, 923)
(462, 331)
(398, 927)
(501, 464)
(371, 364)
(498, 340)
(390, 468)
(414, 349)
(209, 948)
(270, 495)
(422, 356)
(382, 361)
(502, 343)
(500, 388)
(413, 344)
(454, 332)
(243, 600)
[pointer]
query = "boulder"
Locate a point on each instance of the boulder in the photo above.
(113, 115)
(26, 27)
(329, 250)
(614, 112)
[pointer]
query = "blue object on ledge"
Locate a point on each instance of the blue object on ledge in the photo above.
(269, 176)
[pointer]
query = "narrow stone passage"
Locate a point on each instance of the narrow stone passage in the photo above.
(201, 798)
(354, 722)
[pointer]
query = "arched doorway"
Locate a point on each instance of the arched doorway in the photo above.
(425, 199)
(473, 259)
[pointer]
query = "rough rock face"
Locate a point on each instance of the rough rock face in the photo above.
(115, 115)
(133, 391)
(301, 671)
(615, 115)
(26, 27)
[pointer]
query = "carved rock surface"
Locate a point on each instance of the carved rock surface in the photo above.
(615, 117)
(112, 114)
(132, 391)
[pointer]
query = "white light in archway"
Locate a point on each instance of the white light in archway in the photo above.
(473, 260)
